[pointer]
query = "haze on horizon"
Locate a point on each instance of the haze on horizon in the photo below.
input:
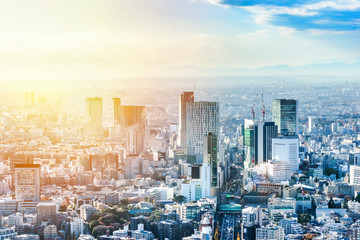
(95, 40)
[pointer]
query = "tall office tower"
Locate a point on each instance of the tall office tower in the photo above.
(284, 114)
(201, 118)
(354, 177)
(130, 115)
(112, 161)
(85, 161)
(132, 122)
(132, 166)
(94, 111)
(334, 127)
(311, 124)
(117, 115)
(205, 176)
(29, 99)
(264, 133)
(249, 143)
(27, 182)
(286, 149)
(45, 211)
(211, 157)
(185, 98)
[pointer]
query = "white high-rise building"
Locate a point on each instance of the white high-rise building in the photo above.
(27, 182)
(355, 174)
(201, 118)
(205, 176)
(279, 171)
(50, 231)
(77, 226)
(192, 190)
(286, 149)
(311, 124)
(270, 232)
(185, 98)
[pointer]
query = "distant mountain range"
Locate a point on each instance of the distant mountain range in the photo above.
(336, 69)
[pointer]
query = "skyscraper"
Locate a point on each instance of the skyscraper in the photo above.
(130, 115)
(29, 99)
(201, 118)
(27, 182)
(117, 104)
(284, 114)
(45, 211)
(211, 157)
(286, 149)
(264, 133)
(205, 176)
(132, 122)
(94, 112)
(185, 98)
(249, 143)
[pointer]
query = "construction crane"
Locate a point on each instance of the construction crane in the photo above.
(263, 109)
(253, 108)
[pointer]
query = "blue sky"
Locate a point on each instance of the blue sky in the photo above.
(330, 15)
(100, 39)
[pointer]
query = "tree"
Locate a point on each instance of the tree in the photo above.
(330, 171)
(304, 218)
(331, 203)
(179, 199)
(94, 224)
(124, 201)
(63, 208)
(99, 230)
(155, 216)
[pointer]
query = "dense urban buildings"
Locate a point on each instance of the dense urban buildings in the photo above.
(237, 178)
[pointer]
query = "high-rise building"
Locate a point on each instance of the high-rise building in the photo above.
(278, 171)
(311, 124)
(354, 175)
(130, 115)
(249, 143)
(84, 160)
(50, 231)
(77, 226)
(27, 182)
(284, 114)
(192, 190)
(205, 176)
(272, 232)
(264, 133)
(20, 158)
(286, 149)
(132, 166)
(29, 99)
(45, 211)
(132, 122)
(117, 115)
(211, 157)
(185, 98)
(94, 112)
(201, 118)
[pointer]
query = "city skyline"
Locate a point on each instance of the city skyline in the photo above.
(180, 120)
(181, 38)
